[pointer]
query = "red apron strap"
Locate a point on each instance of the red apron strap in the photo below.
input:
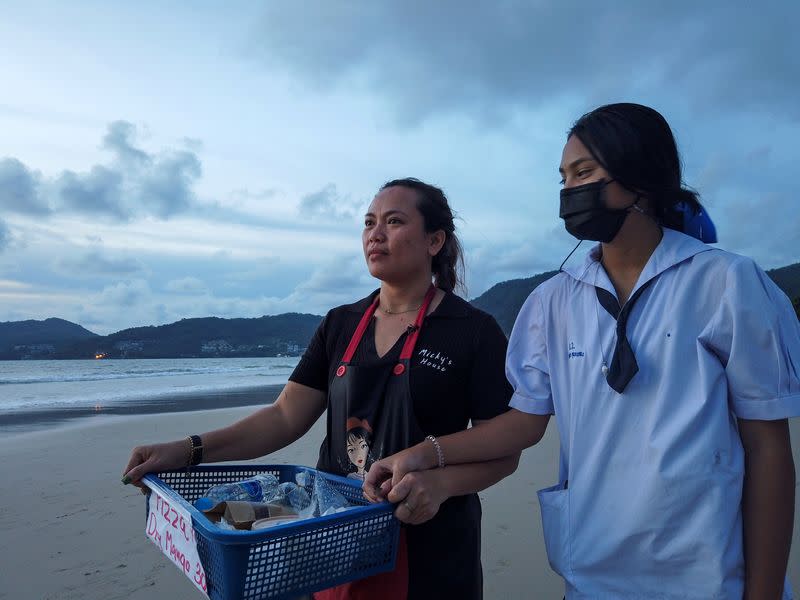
(362, 327)
(408, 346)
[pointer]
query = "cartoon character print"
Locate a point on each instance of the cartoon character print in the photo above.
(359, 443)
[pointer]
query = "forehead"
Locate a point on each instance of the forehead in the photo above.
(574, 150)
(394, 198)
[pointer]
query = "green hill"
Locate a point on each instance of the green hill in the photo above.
(504, 300)
(35, 339)
(285, 334)
(205, 337)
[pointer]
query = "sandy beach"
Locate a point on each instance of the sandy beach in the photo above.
(71, 530)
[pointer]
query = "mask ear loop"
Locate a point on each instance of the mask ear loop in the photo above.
(635, 206)
(570, 254)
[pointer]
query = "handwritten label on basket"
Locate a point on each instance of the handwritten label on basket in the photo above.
(169, 527)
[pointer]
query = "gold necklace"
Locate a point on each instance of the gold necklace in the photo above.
(398, 312)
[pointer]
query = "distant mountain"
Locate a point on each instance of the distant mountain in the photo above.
(504, 300)
(32, 339)
(286, 334)
(788, 279)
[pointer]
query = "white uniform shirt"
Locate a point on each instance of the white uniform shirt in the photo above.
(648, 503)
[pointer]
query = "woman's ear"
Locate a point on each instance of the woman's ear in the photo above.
(436, 241)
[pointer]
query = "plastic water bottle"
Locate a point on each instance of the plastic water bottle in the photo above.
(328, 500)
(261, 488)
(296, 497)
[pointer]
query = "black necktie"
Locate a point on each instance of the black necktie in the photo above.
(623, 363)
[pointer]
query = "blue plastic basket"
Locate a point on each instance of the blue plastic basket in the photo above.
(284, 561)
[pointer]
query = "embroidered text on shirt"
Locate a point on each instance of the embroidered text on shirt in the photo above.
(436, 360)
(573, 353)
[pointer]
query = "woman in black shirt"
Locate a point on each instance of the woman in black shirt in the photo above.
(410, 362)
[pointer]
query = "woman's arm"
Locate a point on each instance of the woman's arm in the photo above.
(267, 430)
(294, 412)
(767, 506)
(501, 437)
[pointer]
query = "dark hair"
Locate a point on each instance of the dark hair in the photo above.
(355, 434)
(448, 264)
(635, 144)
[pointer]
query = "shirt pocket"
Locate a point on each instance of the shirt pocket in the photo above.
(554, 503)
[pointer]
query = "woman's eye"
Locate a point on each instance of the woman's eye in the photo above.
(364, 445)
(563, 181)
(394, 221)
(368, 223)
(584, 172)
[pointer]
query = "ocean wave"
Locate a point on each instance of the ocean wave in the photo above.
(106, 397)
(50, 377)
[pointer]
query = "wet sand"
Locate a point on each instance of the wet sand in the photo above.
(22, 421)
(71, 530)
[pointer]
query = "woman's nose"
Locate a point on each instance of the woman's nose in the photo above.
(377, 233)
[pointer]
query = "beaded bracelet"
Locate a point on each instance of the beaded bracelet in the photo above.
(195, 450)
(438, 448)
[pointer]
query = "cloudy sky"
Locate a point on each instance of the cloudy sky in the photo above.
(160, 162)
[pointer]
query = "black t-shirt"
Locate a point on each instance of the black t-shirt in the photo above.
(457, 368)
(457, 374)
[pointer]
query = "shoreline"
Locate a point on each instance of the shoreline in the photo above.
(27, 421)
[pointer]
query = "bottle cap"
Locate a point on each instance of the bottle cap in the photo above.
(204, 504)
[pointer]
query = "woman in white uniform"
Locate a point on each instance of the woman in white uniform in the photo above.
(671, 368)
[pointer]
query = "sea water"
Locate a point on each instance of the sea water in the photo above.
(49, 386)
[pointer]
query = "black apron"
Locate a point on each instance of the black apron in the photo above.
(371, 416)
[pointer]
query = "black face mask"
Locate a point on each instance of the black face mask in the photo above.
(585, 214)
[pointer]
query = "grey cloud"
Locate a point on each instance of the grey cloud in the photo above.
(156, 184)
(119, 140)
(126, 293)
(20, 189)
(135, 184)
(97, 262)
(491, 59)
(327, 202)
(166, 188)
(97, 192)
